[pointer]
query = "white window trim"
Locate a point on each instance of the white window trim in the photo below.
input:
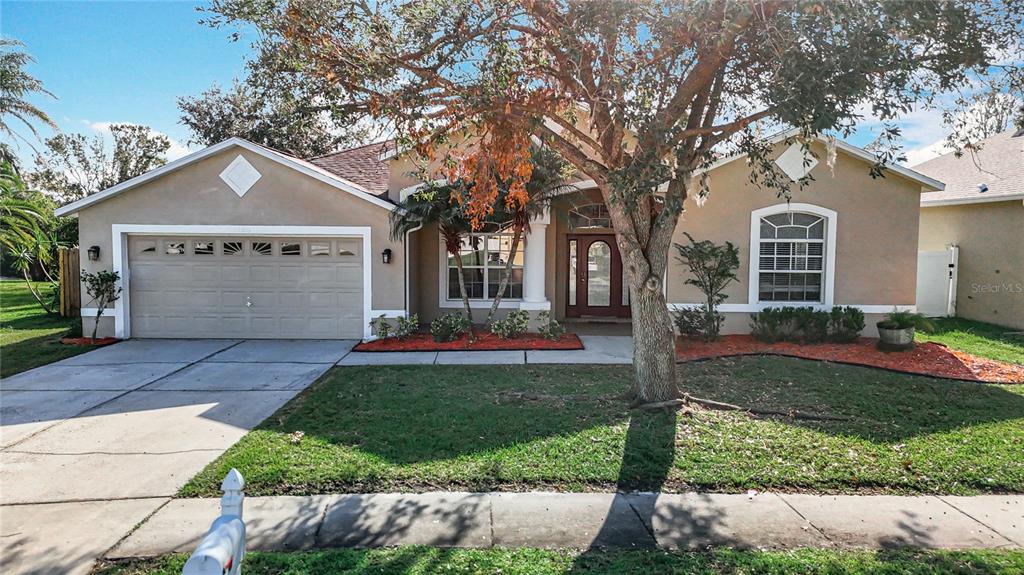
(442, 286)
(828, 267)
(119, 256)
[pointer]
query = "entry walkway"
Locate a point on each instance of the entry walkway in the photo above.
(92, 445)
(597, 349)
(690, 521)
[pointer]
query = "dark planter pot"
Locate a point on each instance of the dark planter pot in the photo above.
(890, 339)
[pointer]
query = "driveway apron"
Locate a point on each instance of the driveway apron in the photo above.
(117, 431)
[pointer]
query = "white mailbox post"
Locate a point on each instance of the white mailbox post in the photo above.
(222, 549)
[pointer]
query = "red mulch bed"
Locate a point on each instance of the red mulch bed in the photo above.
(98, 342)
(484, 342)
(925, 359)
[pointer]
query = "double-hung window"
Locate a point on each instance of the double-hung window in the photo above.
(484, 258)
(791, 257)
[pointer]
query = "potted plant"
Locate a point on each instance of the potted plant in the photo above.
(896, 331)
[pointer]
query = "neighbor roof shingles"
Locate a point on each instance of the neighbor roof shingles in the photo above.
(999, 164)
(361, 166)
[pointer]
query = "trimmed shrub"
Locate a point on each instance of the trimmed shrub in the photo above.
(449, 327)
(549, 328)
(406, 326)
(512, 326)
(845, 324)
(697, 322)
(382, 327)
(807, 325)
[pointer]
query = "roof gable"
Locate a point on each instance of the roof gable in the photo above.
(296, 164)
(361, 165)
(849, 150)
(999, 165)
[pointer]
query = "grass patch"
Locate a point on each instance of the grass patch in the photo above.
(421, 428)
(425, 560)
(978, 338)
(29, 337)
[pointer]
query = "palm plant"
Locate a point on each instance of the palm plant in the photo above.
(434, 205)
(15, 85)
(23, 231)
(547, 179)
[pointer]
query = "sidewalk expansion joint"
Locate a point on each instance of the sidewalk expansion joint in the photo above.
(76, 453)
(648, 528)
(980, 522)
(95, 500)
(807, 521)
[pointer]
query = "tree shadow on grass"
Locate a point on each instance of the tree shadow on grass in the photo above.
(872, 404)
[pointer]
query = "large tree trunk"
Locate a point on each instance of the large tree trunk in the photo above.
(517, 234)
(654, 354)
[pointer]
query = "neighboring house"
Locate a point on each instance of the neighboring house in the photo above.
(238, 240)
(980, 215)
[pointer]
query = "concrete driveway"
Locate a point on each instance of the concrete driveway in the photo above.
(92, 445)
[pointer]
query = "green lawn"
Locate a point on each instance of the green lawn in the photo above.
(427, 560)
(978, 338)
(412, 428)
(29, 337)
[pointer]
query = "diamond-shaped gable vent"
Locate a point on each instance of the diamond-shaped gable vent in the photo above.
(240, 175)
(792, 162)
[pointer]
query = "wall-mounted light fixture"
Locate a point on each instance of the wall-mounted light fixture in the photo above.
(94, 253)
(386, 255)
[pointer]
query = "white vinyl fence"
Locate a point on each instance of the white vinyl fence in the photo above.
(222, 549)
(936, 282)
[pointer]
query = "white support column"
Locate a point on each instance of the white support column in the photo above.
(534, 298)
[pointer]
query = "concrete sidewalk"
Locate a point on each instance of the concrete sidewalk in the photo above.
(582, 520)
(597, 349)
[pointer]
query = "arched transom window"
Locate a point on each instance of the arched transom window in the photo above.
(791, 257)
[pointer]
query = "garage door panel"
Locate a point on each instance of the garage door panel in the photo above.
(262, 325)
(206, 273)
(233, 273)
(293, 300)
(206, 295)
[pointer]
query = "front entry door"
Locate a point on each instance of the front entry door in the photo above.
(595, 278)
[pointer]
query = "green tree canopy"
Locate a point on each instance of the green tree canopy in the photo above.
(73, 166)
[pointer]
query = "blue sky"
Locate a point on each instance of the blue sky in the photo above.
(111, 62)
(121, 61)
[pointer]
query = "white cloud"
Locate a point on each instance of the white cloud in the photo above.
(177, 149)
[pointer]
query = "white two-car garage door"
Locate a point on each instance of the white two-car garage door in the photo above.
(245, 287)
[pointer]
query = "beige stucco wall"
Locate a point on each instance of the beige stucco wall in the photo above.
(876, 247)
(990, 235)
(195, 195)
(876, 229)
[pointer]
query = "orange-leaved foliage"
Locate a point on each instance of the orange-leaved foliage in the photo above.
(499, 157)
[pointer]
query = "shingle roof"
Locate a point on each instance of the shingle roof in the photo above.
(999, 164)
(361, 166)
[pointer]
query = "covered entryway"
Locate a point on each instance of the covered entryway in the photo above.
(936, 281)
(246, 287)
(597, 286)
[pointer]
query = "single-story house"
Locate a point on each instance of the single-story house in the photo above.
(976, 225)
(238, 240)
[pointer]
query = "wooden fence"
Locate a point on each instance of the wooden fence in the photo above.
(70, 283)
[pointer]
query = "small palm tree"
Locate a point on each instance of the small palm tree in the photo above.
(547, 180)
(434, 205)
(15, 86)
(23, 231)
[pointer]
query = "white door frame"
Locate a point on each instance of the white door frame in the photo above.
(119, 243)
